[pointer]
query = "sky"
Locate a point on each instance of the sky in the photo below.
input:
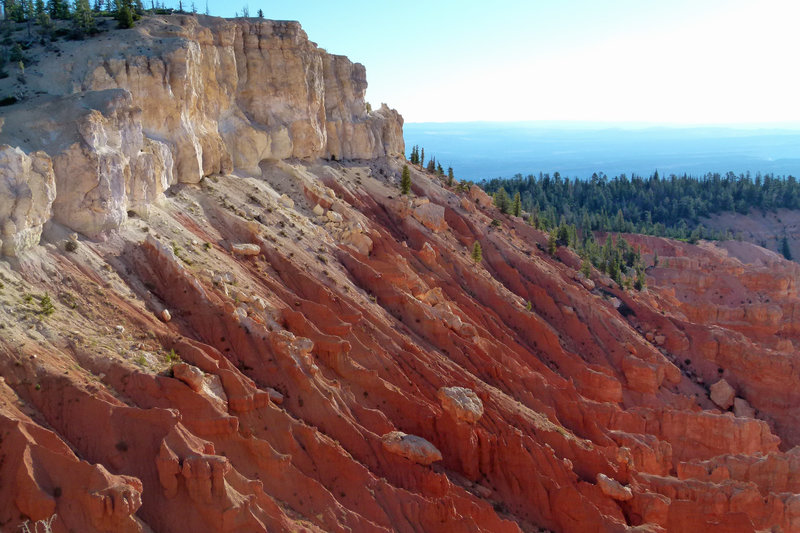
(676, 61)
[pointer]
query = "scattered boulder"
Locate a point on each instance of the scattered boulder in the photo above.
(359, 241)
(461, 403)
(274, 396)
(427, 254)
(245, 249)
(742, 408)
(318, 210)
(287, 202)
(333, 216)
(191, 375)
(165, 315)
(614, 489)
(586, 282)
(722, 394)
(411, 447)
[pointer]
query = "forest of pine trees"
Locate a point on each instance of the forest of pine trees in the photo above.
(44, 14)
(670, 207)
(47, 21)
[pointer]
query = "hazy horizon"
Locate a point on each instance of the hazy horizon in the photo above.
(484, 150)
(631, 124)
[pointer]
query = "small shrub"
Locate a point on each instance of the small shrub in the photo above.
(71, 246)
(46, 305)
(173, 357)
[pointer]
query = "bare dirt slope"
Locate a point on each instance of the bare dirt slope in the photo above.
(765, 229)
(261, 404)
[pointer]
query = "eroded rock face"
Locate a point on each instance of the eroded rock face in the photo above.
(27, 191)
(344, 318)
(102, 164)
(208, 87)
(181, 98)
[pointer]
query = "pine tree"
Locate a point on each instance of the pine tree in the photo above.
(405, 181)
(414, 157)
(82, 19)
(439, 169)
(586, 267)
(641, 280)
(125, 15)
(30, 16)
(655, 259)
(450, 176)
(501, 200)
(477, 253)
(552, 242)
(58, 9)
(15, 10)
(516, 206)
(260, 14)
(787, 253)
(431, 165)
(422, 157)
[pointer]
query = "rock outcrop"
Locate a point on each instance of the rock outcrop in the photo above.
(27, 191)
(183, 97)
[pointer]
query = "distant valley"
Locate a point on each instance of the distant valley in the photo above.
(478, 150)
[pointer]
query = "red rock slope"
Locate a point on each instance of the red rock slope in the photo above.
(186, 383)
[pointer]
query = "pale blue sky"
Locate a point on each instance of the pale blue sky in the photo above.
(681, 61)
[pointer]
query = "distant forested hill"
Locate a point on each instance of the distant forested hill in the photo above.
(667, 206)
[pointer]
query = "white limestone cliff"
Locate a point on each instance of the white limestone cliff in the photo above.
(181, 97)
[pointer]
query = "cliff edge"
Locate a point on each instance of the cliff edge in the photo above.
(125, 115)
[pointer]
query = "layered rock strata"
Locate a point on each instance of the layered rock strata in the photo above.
(301, 348)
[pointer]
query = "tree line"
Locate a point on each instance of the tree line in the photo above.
(670, 207)
(417, 157)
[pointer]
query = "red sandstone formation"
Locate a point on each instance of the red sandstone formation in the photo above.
(298, 347)
(298, 364)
